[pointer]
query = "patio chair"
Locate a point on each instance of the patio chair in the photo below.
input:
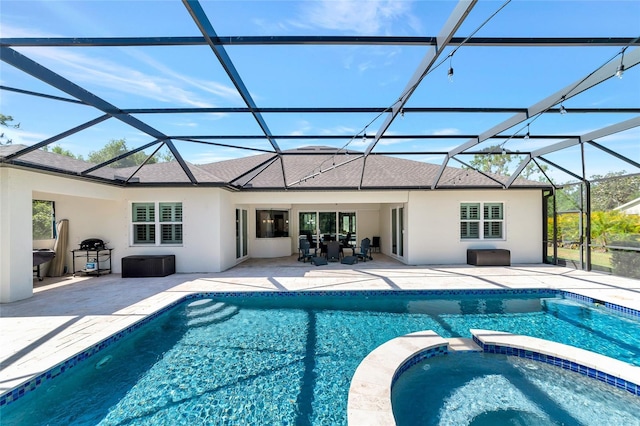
(365, 250)
(346, 243)
(334, 251)
(375, 244)
(306, 252)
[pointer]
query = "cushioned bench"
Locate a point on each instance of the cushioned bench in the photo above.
(489, 257)
(148, 266)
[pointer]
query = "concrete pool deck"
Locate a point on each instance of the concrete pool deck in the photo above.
(68, 315)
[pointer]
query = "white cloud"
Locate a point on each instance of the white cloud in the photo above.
(361, 17)
(302, 128)
(19, 136)
(446, 131)
(214, 157)
(164, 85)
(338, 130)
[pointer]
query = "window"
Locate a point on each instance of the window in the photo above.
(43, 220)
(491, 222)
(493, 218)
(272, 223)
(150, 220)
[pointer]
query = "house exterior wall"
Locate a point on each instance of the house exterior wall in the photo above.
(433, 224)
(431, 221)
(365, 203)
(208, 234)
(75, 198)
(15, 237)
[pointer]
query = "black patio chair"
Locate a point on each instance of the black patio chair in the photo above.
(346, 243)
(306, 252)
(334, 251)
(375, 244)
(365, 250)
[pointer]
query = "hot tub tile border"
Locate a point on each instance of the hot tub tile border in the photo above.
(560, 362)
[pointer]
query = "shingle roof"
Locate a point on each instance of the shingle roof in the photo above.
(315, 168)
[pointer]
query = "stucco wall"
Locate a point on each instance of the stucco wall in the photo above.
(103, 211)
(15, 236)
(434, 226)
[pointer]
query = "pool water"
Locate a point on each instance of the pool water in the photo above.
(260, 359)
(481, 389)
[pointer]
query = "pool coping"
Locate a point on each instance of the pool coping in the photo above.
(596, 366)
(372, 384)
(29, 384)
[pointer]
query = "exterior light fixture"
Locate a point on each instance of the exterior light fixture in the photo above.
(620, 69)
(527, 136)
(450, 72)
(402, 113)
(563, 110)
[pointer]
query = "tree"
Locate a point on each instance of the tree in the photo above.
(60, 150)
(115, 148)
(500, 163)
(42, 212)
(614, 190)
(492, 163)
(4, 121)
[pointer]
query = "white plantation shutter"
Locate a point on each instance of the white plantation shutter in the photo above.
(470, 220)
(143, 218)
(493, 215)
(143, 212)
(170, 212)
(493, 211)
(170, 233)
(491, 222)
(147, 224)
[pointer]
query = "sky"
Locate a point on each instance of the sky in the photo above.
(324, 75)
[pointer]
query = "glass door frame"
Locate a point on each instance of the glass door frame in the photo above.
(242, 233)
(397, 231)
(334, 230)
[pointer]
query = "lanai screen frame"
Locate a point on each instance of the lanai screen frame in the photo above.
(435, 47)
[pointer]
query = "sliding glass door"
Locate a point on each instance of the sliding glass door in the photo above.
(322, 226)
(397, 231)
(241, 233)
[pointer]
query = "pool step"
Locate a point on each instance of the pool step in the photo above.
(463, 345)
(204, 309)
(221, 314)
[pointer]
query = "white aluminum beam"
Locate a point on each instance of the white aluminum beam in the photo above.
(603, 73)
(596, 134)
(449, 29)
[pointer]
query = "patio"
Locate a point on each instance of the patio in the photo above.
(67, 315)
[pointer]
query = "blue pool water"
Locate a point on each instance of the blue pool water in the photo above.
(481, 389)
(259, 359)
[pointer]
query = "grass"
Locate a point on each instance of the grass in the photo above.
(597, 258)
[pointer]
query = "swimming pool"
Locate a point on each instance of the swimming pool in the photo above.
(288, 358)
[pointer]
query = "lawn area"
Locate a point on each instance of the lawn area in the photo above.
(597, 258)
